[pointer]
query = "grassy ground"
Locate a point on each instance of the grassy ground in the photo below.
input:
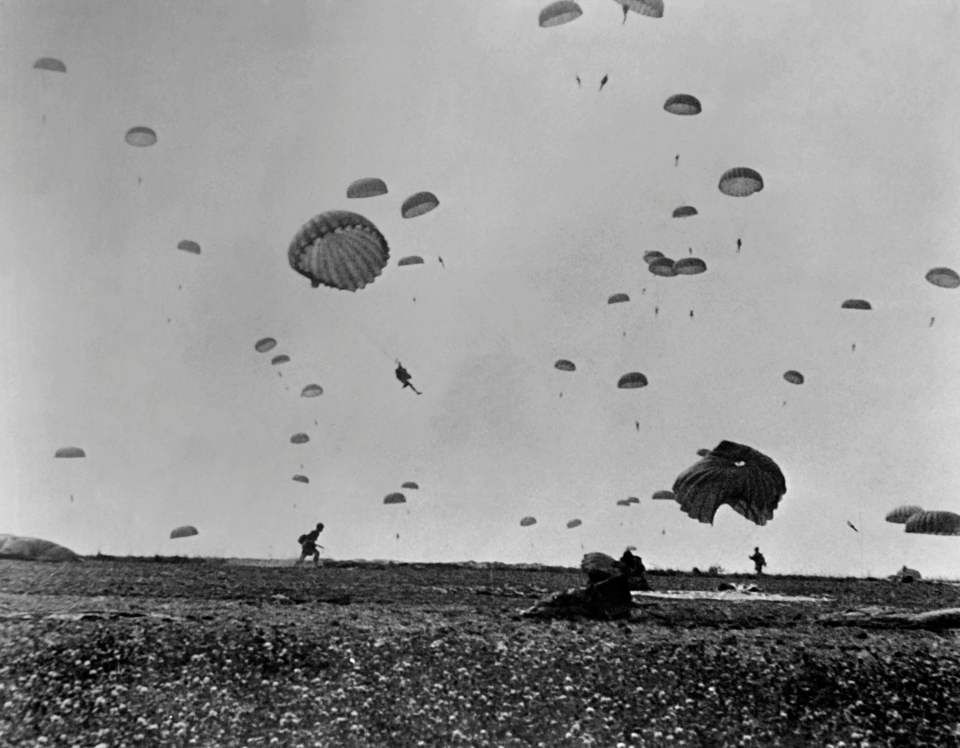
(121, 652)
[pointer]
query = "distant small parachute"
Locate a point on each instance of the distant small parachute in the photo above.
(735, 474)
(559, 13)
(367, 187)
(140, 137)
(740, 182)
(410, 484)
(299, 438)
(632, 380)
(651, 8)
(301, 479)
(633, 500)
(624, 502)
(618, 298)
(311, 390)
(394, 498)
(418, 204)
(662, 266)
(50, 63)
(652, 255)
(339, 249)
(184, 531)
(684, 211)
(410, 260)
(527, 521)
(189, 246)
(683, 104)
(856, 304)
(564, 365)
(283, 358)
(573, 523)
(943, 277)
(663, 495)
(934, 523)
(67, 452)
(690, 266)
(901, 514)
(794, 377)
(265, 344)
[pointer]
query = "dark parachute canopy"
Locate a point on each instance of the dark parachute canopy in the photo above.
(394, 498)
(301, 479)
(689, 266)
(418, 204)
(740, 182)
(662, 266)
(339, 249)
(573, 523)
(735, 474)
(943, 277)
(50, 63)
(856, 304)
(185, 531)
(410, 484)
(558, 13)
(684, 211)
(299, 438)
(283, 358)
(311, 390)
(140, 137)
(527, 521)
(66, 452)
(624, 502)
(618, 298)
(632, 380)
(663, 495)
(564, 365)
(901, 514)
(187, 245)
(794, 377)
(367, 187)
(410, 260)
(683, 104)
(934, 523)
(651, 8)
(265, 344)
(633, 500)
(652, 255)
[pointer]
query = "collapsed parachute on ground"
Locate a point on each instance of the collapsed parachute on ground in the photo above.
(69, 452)
(311, 390)
(662, 266)
(410, 260)
(190, 246)
(394, 498)
(794, 377)
(856, 304)
(632, 380)
(339, 249)
(299, 438)
(52, 64)
(527, 521)
(741, 181)
(618, 298)
(140, 137)
(22, 548)
(410, 484)
(559, 13)
(418, 204)
(367, 187)
(734, 474)
(684, 211)
(283, 358)
(683, 104)
(573, 523)
(650, 8)
(564, 365)
(184, 531)
(265, 344)
(934, 523)
(301, 479)
(943, 277)
(901, 514)
(689, 266)
(663, 495)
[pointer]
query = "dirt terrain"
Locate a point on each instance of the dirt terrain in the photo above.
(117, 652)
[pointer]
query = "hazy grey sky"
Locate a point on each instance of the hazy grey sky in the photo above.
(549, 195)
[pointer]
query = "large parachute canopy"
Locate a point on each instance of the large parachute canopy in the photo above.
(564, 365)
(856, 304)
(663, 495)
(689, 266)
(367, 187)
(651, 8)
(339, 249)
(299, 438)
(50, 63)
(527, 521)
(394, 498)
(311, 390)
(410, 260)
(741, 181)
(735, 474)
(70, 452)
(265, 344)
(185, 531)
(558, 13)
(410, 484)
(573, 523)
(684, 211)
(943, 277)
(632, 380)
(34, 549)
(934, 523)
(283, 358)
(683, 104)
(652, 255)
(188, 245)
(618, 298)
(141, 137)
(418, 204)
(662, 266)
(901, 514)
(794, 377)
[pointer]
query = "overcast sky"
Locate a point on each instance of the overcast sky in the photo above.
(549, 194)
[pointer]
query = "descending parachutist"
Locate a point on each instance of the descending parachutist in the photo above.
(643, 291)
(691, 314)
(637, 424)
(739, 244)
(656, 311)
(414, 299)
(579, 82)
(179, 286)
(624, 14)
(603, 81)
(404, 376)
(440, 260)
(931, 321)
(852, 526)
(853, 347)
(676, 160)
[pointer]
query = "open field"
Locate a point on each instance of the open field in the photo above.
(126, 652)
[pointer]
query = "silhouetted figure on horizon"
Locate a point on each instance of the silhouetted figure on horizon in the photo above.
(758, 561)
(308, 545)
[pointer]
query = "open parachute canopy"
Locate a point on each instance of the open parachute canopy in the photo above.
(50, 63)
(856, 304)
(339, 249)
(618, 298)
(573, 523)
(410, 484)
(663, 495)
(418, 204)
(299, 438)
(689, 266)
(632, 380)
(662, 266)
(188, 245)
(558, 13)
(185, 531)
(652, 255)
(564, 365)
(301, 479)
(741, 181)
(265, 344)
(794, 377)
(367, 187)
(394, 498)
(527, 521)
(624, 502)
(410, 260)
(943, 277)
(683, 104)
(311, 390)
(140, 137)
(283, 358)
(67, 452)
(901, 514)
(684, 211)
(651, 8)
(934, 523)
(633, 500)
(735, 474)
(34, 549)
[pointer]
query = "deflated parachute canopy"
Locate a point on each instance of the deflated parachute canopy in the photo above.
(943, 277)
(184, 531)
(573, 523)
(901, 514)
(632, 380)
(299, 438)
(683, 104)
(934, 523)
(368, 187)
(527, 521)
(856, 304)
(311, 390)
(690, 266)
(618, 298)
(558, 13)
(70, 452)
(735, 474)
(190, 246)
(794, 377)
(741, 181)
(564, 365)
(339, 249)
(140, 137)
(265, 344)
(50, 63)
(394, 498)
(418, 204)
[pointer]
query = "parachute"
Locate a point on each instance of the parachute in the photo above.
(652, 255)
(394, 498)
(283, 358)
(564, 365)
(301, 479)
(299, 438)
(633, 500)
(684, 211)
(651, 8)
(901, 514)
(410, 484)
(311, 390)
(740, 182)
(410, 260)
(368, 187)
(559, 13)
(663, 495)
(418, 204)
(632, 380)
(50, 63)
(573, 523)
(185, 531)
(735, 474)
(794, 377)
(943, 277)
(339, 249)
(66, 452)
(618, 298)
(527, 521)
(624, 502)
(683, 104)
(662, 266)
(189, 246)
(690, 266)
(141, 137)
(34, 549)
(856, 304)
(934, 523)
(265, 344)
